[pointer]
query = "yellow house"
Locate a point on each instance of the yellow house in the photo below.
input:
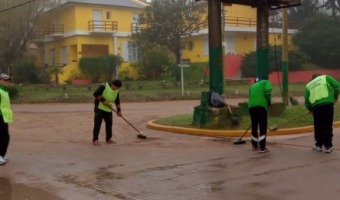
(92, 28)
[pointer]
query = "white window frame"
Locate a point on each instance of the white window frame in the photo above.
(130, 51)
(64, 55)
(133, 51)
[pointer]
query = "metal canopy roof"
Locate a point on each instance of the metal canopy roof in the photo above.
(273, 4)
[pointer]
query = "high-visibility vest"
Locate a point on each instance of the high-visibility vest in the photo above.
(110, 95)
(5, 106)
(317, 89)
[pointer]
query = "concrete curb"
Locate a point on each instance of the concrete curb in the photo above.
(228, 133)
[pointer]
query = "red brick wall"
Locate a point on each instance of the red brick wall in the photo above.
(302, 76)
(232, 66)
(233, 71)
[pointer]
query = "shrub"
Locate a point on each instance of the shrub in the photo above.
(101, 66)
(13, 91)
(24, 72)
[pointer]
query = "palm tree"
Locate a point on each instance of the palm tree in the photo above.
(55, 71)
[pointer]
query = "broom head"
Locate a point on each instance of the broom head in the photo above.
(239, 141)
(141, 135)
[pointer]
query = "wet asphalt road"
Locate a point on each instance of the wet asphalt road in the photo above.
(51, 157)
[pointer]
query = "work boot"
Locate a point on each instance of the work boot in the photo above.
(2, 160)
(329, 150)
(110, 141)
(96, 143)
(317, 149)
(264, 150)
(255, 148)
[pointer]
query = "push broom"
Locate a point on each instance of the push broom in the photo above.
(240, 140)
(140, 134)
(275, 127)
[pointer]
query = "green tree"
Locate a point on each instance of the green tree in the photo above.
(154, 62)
(319, 37)
(171, 23)
(248, 66)
(334, 6)
(55, 71)
(295, 61)
(92, 67)
(307, 9)
(24, 71)
(104, 66)
(17, 20)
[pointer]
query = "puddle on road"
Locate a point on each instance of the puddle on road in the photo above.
(9, 191)
(103, 181)
(216, 186)
(90, 178)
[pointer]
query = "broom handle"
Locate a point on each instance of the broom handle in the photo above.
(124, 119)
(294, 119)
(246, 131)
(225, 100)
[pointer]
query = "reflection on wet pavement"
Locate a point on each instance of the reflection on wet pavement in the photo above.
(5, 189)
(101, 181)
(18, 191)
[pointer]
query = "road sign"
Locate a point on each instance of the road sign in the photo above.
(184, 65)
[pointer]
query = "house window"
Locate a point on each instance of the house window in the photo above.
(64, 57)
(53, 60)
(133, 51)
(108, 15)
(190, 45)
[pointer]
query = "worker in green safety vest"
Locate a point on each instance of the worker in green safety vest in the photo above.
(259, 101)
(6, 117)
(320, 95)
(105, 95)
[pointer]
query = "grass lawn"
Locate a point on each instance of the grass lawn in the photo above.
(290, 113)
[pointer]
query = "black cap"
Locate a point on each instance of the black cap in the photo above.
(260, 79)
(116, 83)
(315, 75)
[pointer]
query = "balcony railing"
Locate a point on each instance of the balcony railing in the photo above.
(54, 30)
(137, 27)
(37, 36)
(240, 21)
(250, 22)
(96, 26)
(229, 21)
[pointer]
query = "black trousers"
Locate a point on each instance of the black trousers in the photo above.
(4, 137)
(323, 125)
(99, 115)
(258, 116)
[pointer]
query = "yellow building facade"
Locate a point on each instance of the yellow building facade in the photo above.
(239, 34)
(94, 28)
(90, 28)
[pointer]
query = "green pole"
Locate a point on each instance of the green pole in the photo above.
(215, 47)
(285, 56)
(262, 44)
(262, 63)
